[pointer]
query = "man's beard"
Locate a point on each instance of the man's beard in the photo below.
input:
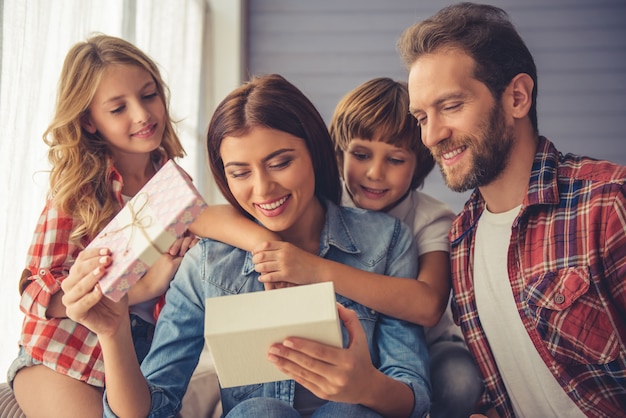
(489, 156)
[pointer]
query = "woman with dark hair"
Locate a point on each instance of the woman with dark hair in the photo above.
(272, 157)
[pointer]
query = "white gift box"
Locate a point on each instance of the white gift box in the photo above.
(239, 329)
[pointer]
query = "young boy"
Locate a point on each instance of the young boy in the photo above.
(383, 163)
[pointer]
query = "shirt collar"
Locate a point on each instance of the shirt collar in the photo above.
(159, 158)
(543, 186)
(117, 182)
(335, 233)
(404, 207)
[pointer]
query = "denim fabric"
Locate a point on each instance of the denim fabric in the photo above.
(22, 360)
(275, 408)
(337, 409)
(263, 408)
(367, 240)
(455, 380)
(143, 332)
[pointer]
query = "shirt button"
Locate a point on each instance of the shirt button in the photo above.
(42, 272)
(559, 298)
(372, 312)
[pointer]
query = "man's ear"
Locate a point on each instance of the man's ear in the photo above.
(87, 123)
(522, 93)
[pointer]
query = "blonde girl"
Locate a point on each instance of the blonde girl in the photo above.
(110, 133)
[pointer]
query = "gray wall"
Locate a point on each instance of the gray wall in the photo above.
(327, 47)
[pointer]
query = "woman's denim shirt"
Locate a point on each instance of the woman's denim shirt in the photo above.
(370, 241)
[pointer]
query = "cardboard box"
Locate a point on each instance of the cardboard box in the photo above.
(147, 226)
(239, 329)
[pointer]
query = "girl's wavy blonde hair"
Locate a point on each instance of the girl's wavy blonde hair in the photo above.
(79, 177)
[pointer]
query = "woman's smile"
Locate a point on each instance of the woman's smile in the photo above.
(270, 174)
(274, 208)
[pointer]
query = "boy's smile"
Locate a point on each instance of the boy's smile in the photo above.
(377, 174)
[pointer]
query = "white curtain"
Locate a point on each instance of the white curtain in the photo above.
(36, 35)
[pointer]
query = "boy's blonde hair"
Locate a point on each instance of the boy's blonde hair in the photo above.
(79, 182)
(378, 110)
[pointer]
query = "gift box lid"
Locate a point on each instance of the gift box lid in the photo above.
(239, 329)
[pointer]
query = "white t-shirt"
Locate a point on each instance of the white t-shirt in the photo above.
(533, 390)
(430, 220)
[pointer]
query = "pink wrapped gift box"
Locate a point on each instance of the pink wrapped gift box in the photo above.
(146, 227)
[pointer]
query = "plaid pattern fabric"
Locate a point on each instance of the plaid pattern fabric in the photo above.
(567, 268)
(59, 343)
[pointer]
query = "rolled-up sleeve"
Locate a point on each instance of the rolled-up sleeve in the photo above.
(50, 256)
